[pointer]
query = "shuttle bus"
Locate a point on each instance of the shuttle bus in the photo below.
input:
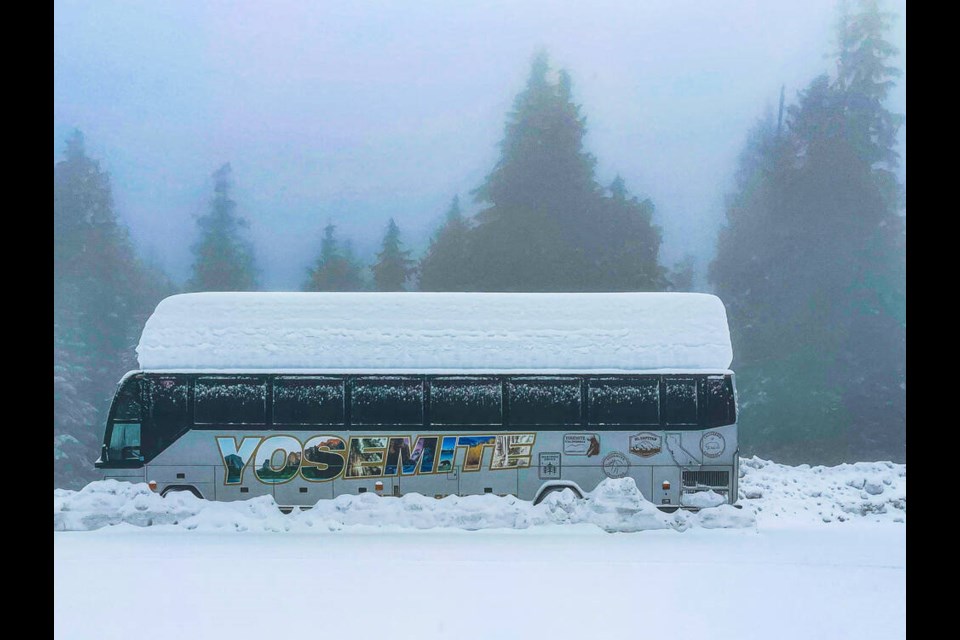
(313, 395)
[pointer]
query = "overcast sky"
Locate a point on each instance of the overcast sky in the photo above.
(353, 112)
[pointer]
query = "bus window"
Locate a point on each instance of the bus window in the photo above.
(230, 401)
(718, 402)
(125, 442)
(387, 401)
(127, 413)
(298, 400)
(544, 401)
(169, 415)
(129, 402)
(618, 401)
(681, 401)
(465, 401)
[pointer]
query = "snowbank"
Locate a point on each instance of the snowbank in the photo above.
(864, 490)
(770, 493)
(437, 332)
(615, 506)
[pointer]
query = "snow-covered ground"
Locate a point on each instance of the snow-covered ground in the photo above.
(815, 553)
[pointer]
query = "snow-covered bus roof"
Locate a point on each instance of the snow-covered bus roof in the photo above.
(449, 332)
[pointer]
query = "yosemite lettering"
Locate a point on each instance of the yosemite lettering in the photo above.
(279, 458)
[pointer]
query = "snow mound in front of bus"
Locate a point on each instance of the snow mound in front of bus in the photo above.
(615, 506)
(779, 493)
(110, 502)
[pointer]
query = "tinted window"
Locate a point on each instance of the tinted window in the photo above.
(168, 400)
(168, 412)
(681, 401)
(230, 401)
(619, 401)
(387, 401)
(124, 442)
(465, 401)
(718, 404)
(544, 401)
(129, 401)
(307, 401)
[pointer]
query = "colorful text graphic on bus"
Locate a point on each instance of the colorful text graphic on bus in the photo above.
(280, 458)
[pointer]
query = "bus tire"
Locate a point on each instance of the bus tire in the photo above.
(544, 492)
(181, 487)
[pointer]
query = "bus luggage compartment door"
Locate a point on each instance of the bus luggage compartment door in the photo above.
(302, 493)
(431, 485)
(178, 477)
(500, 482)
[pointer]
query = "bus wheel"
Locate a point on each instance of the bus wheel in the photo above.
(181, 487)
(555, 488)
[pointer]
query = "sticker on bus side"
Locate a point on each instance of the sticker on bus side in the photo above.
(549, 466)
(581, 444)
(646, 444)
(712, 444)
(615, 465)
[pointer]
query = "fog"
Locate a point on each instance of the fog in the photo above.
(353, 113)
(496, 146)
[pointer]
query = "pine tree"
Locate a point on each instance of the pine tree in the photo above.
(541, 193)
(223, 259)
(335, 269)
(548, 226)
(681, 276)
(811, 265)
(443, 267)
(74, 417)
(102, 294)
(94, 260)
(543, 162)
(393, 265)
(624, 245)
(872, 363)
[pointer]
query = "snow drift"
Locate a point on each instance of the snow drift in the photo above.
(437, 332)
(875, 491)
(770, 493)
(615, 506)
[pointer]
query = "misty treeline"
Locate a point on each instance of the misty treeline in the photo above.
(102, 294)
(811, 263)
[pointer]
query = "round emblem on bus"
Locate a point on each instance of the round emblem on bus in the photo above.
(712, 444)
(615, 465)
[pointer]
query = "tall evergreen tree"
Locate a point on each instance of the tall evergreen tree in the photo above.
(812, 265)
(443, 267)
(681, 276)
(223, 259)
(94, 261)
(393, 265)
(74, 416)
(624, 245)
(335, 269)
(541, 193)
(872, 364)
(102, 294)
(548, 225)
